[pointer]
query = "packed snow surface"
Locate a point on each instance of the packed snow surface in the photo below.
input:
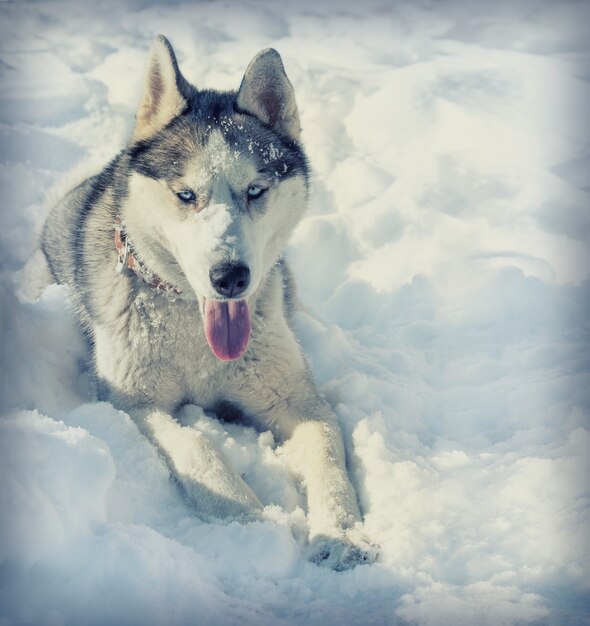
(444, 275)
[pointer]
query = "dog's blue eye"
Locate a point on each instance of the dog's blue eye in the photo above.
(254, 191)
(187, 195)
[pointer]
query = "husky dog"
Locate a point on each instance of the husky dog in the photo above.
(173, 253)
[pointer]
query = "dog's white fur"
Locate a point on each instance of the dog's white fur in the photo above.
(150, 349)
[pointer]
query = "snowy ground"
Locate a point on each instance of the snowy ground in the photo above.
(444, 268)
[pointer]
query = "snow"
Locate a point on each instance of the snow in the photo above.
(444, 274)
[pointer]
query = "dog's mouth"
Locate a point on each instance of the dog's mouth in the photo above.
(227, 327)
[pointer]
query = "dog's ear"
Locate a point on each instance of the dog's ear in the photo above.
(267, 93)
(161, 97)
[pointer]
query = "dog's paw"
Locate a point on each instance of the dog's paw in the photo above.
(342, 552)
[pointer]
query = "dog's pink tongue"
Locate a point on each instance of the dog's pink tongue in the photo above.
(227, 328)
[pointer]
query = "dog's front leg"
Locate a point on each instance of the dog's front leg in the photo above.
(315, 452)
(313, 449)
(206, 476)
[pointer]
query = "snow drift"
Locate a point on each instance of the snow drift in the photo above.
(444, 273)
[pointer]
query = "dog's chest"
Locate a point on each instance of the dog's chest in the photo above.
(171, 333)
(156, 350)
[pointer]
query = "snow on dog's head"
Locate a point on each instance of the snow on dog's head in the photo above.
(219, 181)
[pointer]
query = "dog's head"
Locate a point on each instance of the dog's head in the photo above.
(218, 182)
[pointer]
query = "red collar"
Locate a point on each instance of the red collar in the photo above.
(126, 260)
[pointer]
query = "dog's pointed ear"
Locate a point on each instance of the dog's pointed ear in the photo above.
(161, 97)
(267, 93)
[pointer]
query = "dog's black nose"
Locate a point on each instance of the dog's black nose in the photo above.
(230, 280)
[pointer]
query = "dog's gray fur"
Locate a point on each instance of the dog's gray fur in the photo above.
(149, 346)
